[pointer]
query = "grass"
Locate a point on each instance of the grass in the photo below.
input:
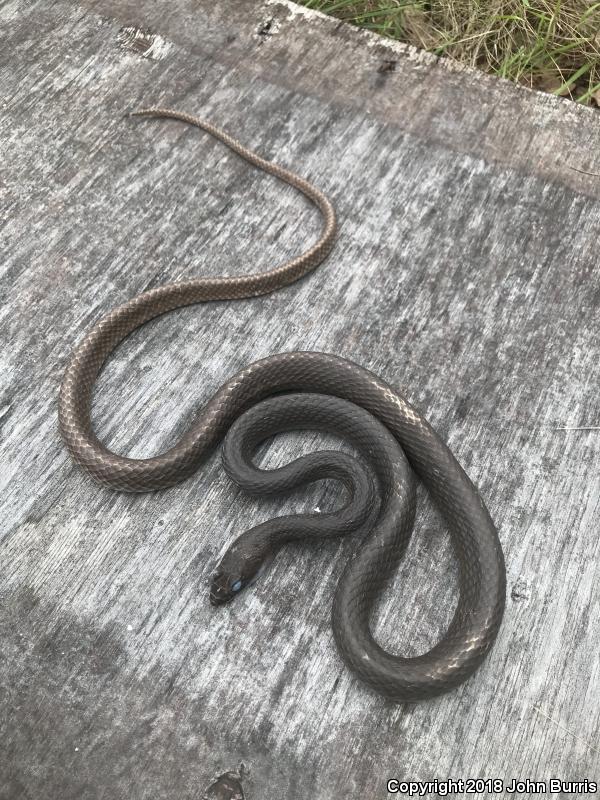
(551, 46)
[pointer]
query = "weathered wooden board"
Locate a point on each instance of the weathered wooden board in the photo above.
(465, 273)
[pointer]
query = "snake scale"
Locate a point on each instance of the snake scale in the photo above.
(310, 390)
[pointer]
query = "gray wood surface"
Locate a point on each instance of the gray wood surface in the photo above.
(465, 274)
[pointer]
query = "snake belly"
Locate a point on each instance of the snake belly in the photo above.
(367, 400)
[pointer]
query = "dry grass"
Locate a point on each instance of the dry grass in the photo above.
(550, 46)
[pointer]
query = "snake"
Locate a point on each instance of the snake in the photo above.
(393, 446)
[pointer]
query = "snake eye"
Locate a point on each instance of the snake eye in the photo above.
(235, 587)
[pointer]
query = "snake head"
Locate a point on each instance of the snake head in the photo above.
(224, 588)
(235, 571)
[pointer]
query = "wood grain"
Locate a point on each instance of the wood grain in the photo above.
(464, 274)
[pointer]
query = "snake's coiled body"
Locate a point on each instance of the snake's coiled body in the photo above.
(336, 395)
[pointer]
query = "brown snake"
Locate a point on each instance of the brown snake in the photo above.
(335, 394)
